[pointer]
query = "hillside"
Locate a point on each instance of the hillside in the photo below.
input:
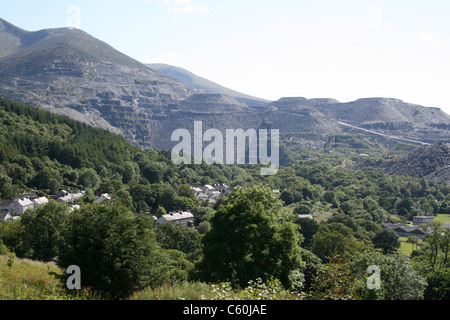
(430, 162)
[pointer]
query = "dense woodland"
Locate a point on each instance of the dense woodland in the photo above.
(252, 235)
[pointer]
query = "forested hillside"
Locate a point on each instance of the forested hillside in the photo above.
(255, 233)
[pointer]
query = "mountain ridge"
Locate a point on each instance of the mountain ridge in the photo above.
(204, 84)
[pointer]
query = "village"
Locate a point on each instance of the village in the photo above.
(11, 209)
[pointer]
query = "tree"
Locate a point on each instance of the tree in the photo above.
(387, 240)
(308, 228)
(116, 252)
(334, 282)
(336, 239)
(302, 209)
(173, 236)
(398, 279)
(438, 287)
(41, 229)
(48, 179)
(251, 237)
(89, 178)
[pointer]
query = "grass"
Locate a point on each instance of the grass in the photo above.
(442, 218)
(25, 279)
(176, 291)
(28, 280)
(407, 248)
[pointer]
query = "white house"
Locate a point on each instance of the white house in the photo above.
(196, 190)
(214, 195)
(9, 218)
(207, 188)
(67, 197)
(20, 205)
(102, 197)
(184, 218)
(40, 201)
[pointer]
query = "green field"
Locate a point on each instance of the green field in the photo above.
(442, 218)
(406, 248)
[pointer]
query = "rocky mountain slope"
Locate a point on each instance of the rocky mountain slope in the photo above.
(69, 72)
(430, 162)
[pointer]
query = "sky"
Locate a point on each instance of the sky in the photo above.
(341, 49)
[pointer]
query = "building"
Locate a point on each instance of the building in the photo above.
(8, 217)
(17, 206)
(40, 201)
(102, 197)
(5, 205)
(404, 230)
(184, 218)
(418, 220)
(223, 189)
(68, 197)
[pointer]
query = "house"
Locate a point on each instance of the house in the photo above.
(305, 216)
(102, 197)
(223, 189)
(184, 218)
(404, 230)
(214, 195)
(67, 197)
(9, 218)
(207, 188)
(74, 207)
(22, 204)
(5, 205)
(201, 196)
(418, 220)
(17, 206)
(40, 201)
(196, 190)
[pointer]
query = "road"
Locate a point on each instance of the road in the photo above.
(385, 135)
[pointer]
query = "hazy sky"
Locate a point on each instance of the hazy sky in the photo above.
(274, 48)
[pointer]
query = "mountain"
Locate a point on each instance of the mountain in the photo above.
(69, 72)
(205, 84)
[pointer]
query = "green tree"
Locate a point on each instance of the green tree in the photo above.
(41, 229)
(48, 179)
(308, 228)
(386, 240)
(173, 236)
(336, 239)
(251, 237)
(438, 287)
(116, 252)
(334, 282)
(398, 278)
(89, 178)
